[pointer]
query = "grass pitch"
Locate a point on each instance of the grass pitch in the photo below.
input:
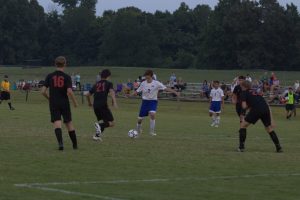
(186, 160)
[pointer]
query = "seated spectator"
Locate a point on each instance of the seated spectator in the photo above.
(180, 84)
(226, 90)
(264, 78)
(205, 89)
(248, 78)
(119, 88)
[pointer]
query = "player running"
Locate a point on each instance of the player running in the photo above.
(149, 89)
(5, 92)
(290, 103)
(100, 91)
(216, 104)
(258, 109)
(60, 87)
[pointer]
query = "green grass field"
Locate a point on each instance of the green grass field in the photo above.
(186, 160)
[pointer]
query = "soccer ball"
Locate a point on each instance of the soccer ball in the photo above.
(132, 133)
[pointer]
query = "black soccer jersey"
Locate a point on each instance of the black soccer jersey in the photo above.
(254, 101)
(101, 91)
(58, 83)
(237, 91)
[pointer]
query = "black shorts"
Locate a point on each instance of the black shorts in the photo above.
(5, 95)
(238, 109)
(104, 114)
(289, 107)
(58, 111)
(254, 115)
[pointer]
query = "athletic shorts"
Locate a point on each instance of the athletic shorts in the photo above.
(289, 107)
(5, 95)
(148, 106)
(238, 109)
(254, 115)
(61, 111)
(215, 107)
(104, 113)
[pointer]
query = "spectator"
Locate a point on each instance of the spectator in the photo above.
(248, 78)
(98, 78)
(180, 84)
(129, 85)
(264, 78)
(77, 81)
(205, 89)
(272, 78)
(296, 85)
(173, 77)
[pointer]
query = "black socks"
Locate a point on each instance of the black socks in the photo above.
(275, 140)
(242, 135)
(72, 134)
(73, 138)
(59, 138)
(104, 125)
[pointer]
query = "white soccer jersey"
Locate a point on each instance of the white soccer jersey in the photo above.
(150, 90)
(216, 94)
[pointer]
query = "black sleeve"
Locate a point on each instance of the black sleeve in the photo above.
(286, 95)
(69, 82)
(93, 90)
(47, 82)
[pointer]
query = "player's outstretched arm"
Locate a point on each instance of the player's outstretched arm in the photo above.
(44, 92)
(113, 96)
(172, 91)
(71, 94)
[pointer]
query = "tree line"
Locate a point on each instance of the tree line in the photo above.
(235, 34)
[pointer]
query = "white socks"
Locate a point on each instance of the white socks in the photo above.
(152, 125)
(139, 128)
(218, 119)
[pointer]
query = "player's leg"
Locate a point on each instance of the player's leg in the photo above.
(251, 118)
(144, 111)
(66, 113)
(108, 119)
(218, 120)
(152, 123)
(72, 134)
(152, 111)
(58, 134)
(217, 112)
(267, 121)
(212, 114)
(9, 102)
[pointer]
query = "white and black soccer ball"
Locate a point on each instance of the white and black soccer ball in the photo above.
(132, 133)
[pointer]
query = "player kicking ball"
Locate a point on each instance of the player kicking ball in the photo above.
(149, 89)
(258, 110)
(100, 91)
(216, 104)
(60, 89)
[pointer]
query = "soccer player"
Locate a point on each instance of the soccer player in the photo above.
(236, 99)
(60, 89)
(100, 91)
(258, 110)
(216, 104)
(5, 92)
(290, 103)
(149, 89)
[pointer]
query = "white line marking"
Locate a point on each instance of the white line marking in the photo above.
(44, 188)
(157, 180)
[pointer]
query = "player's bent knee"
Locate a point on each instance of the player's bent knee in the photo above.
(111, 124)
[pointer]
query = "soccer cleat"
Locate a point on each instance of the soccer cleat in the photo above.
(279, 150)
(12, 108)
(61, 148)
(75, 147)
(217, 126)
(98, 128)
(152, 133)
(241, 149)
(213, 124)
(97, 138)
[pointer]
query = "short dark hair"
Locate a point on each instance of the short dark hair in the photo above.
(60, 61)
(105, 73)
(218, 82)
(148, 73)
(242, 77)
(5, 76)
